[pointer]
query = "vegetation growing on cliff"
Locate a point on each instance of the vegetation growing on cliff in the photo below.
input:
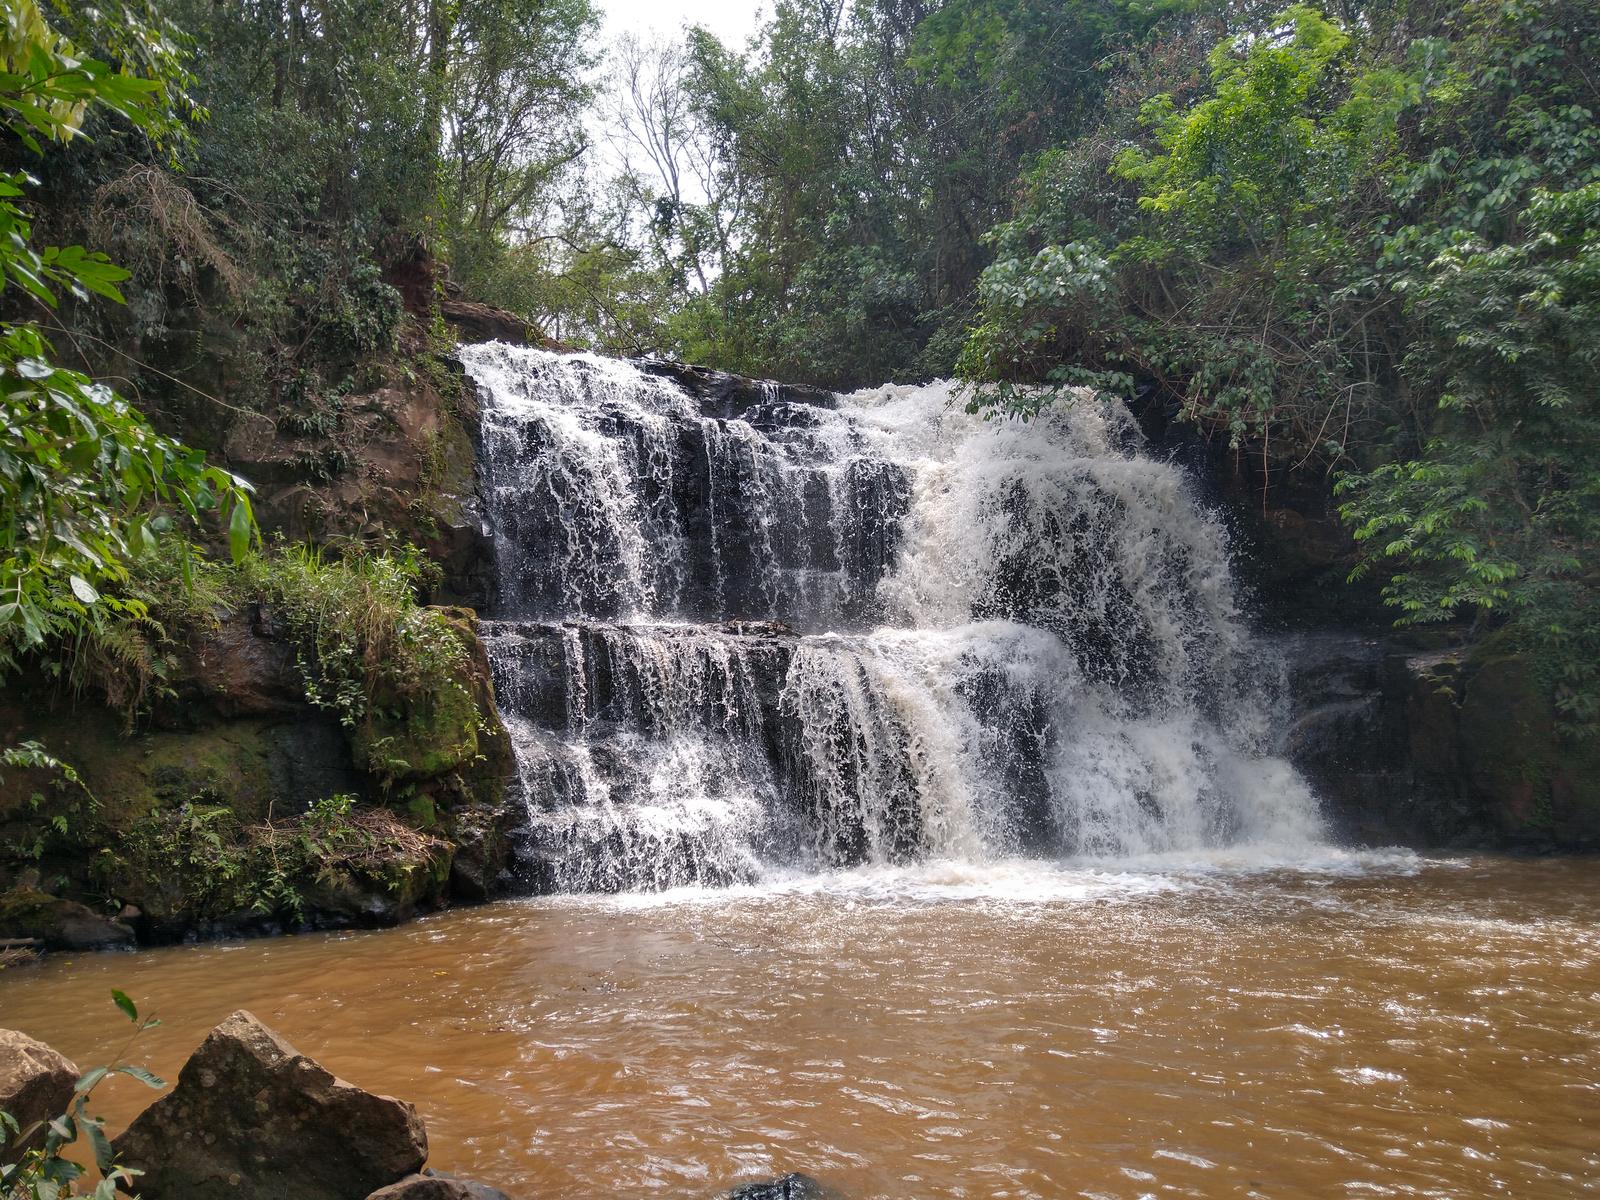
(216, 867)
(1365, 245)
(107, 561)
(363, 646)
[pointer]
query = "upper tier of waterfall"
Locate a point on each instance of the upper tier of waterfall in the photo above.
(791, 633)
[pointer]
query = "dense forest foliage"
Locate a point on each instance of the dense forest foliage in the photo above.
(1358, 240)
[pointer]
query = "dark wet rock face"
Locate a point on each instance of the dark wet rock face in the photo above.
(1348, 731)
(36, 1085)
(485, 839)
(723, 395)
(243, 666)
(253, 1119)
(59, 924)
(1442, 745)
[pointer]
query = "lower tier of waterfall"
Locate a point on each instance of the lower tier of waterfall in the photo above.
(659, 756)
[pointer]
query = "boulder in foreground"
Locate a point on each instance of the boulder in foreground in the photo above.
(35, 1085)
(253, 1119)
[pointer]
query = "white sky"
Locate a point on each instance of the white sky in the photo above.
(731, 20)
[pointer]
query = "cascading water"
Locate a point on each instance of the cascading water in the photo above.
(787, 631)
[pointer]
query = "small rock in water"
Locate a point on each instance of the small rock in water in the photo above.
(254, 1119)
(794, 1186)
(431, 1186)
(35, 1085)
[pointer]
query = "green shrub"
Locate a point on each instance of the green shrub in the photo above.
(365, 648)
(60, 818)
(363, 642)
(214, 866)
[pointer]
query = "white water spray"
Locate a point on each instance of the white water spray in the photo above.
(876, 631)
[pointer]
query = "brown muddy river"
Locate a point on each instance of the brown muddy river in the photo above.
(1383, 1026)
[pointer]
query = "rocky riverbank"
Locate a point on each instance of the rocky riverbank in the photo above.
(211, 771)
(238, 807)
(251, 1118)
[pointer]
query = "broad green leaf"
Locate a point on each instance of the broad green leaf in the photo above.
(104, 1157)
(129, 1008)
(239, 529)
(146, 1077)
(89, 1079)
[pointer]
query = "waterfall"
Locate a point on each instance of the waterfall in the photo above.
(743, 629)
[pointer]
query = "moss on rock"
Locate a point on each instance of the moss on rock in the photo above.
(197, 868)
(449, 736)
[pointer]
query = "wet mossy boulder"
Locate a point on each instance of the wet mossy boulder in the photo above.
(484, 838)
(409, 877)
(199, 871)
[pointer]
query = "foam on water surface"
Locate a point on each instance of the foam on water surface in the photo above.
(1020, 884)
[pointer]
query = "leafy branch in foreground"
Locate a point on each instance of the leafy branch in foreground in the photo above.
(85, 481)
(43, 1173)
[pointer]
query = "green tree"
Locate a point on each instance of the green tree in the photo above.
(1367, 244)
(858, 152)
(85, 482)
(514, 94)
(1495, 508)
